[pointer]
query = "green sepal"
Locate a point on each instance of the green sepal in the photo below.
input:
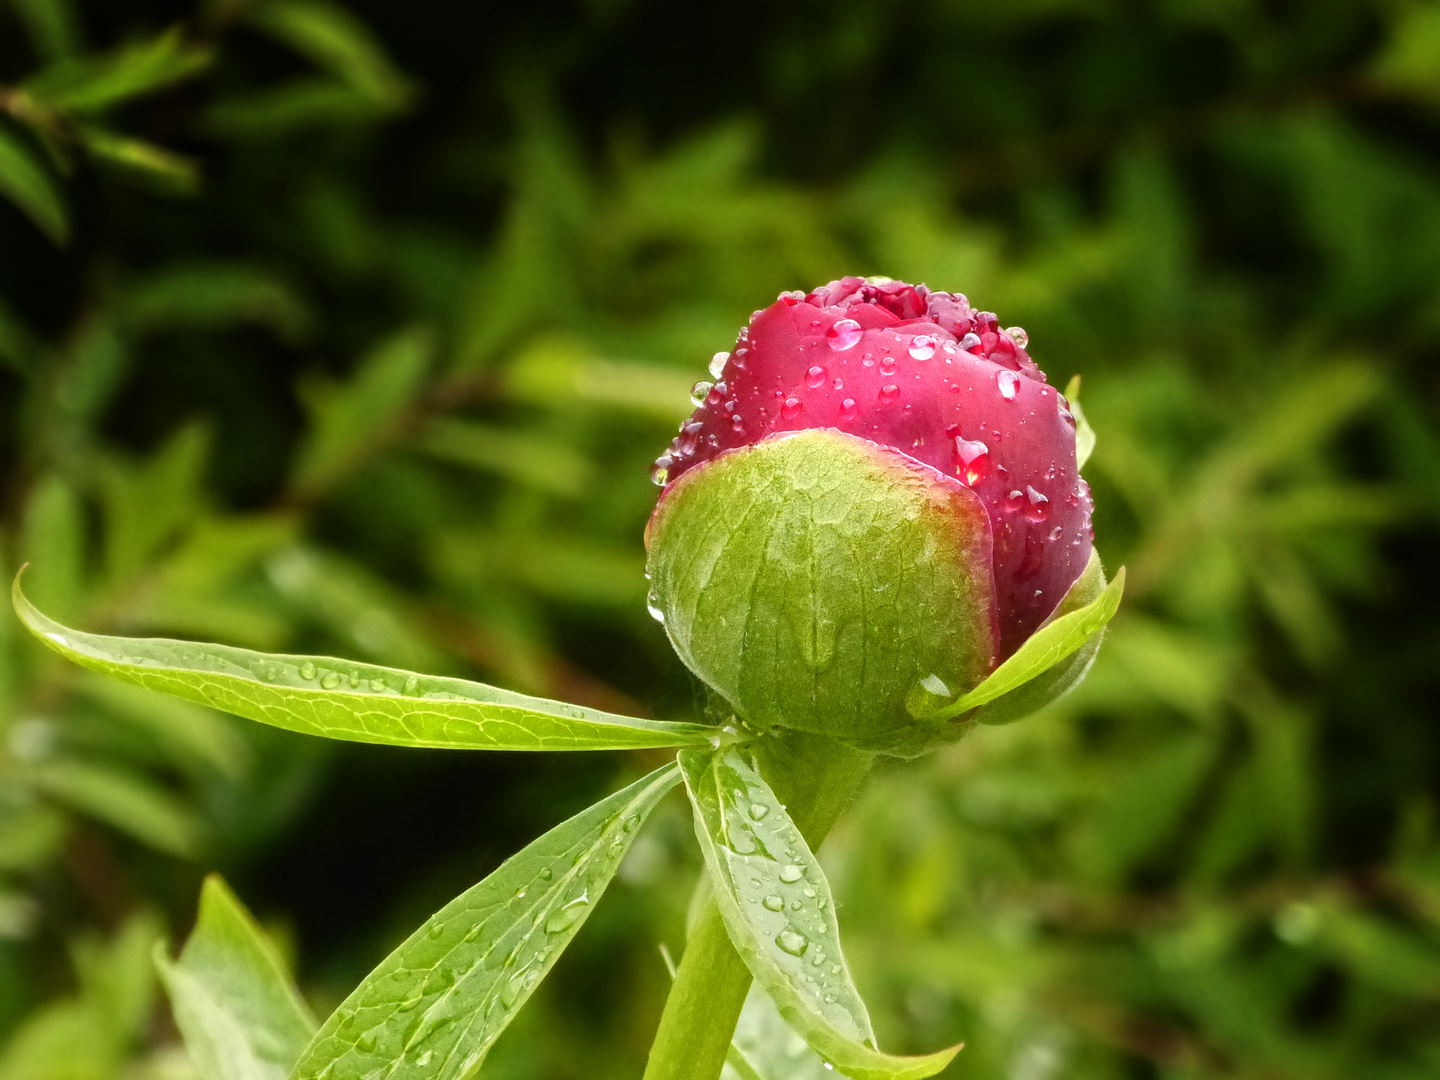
(1052, 660)
(780, 914)
(236, 1008)
(1084, 433)
(340, 699)
(435, 1006)
(814, 578)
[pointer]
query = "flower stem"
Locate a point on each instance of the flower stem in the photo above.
(814, 777)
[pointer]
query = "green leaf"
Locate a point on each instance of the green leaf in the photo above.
(96, 83)
(26, 183)
(348, 419)
(337, 699)
(50, 25)
(234, 1003)
(1044, 649)
(777, 906)
(434, 1007)
(337, 42)
(767, 1048)
(123, 800)
(1084, 433)
(214, 295)
(169, 172)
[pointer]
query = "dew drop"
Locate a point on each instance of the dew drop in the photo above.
(1039, 505)
(974, 457)
(791, 409)
(737, 425)
(1009, 383)
(307, 670)
(815, 377)
(436, 930)
(844, 334)
(567, 916)
(970, 342)
(792, 942)
(922, 347)
(889, 394)
(717, 363)
(377, 685)
(758, 811)
(660, 471)
(697, 394)
(774, 903)
(791, 874)
(412, 685)
(887, 364)
(546, 873)
(848, 409)
(331, 680)
(367, 1042)
(1019, 336)
(1014, 501)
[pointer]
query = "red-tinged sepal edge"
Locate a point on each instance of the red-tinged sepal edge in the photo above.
(815, 578)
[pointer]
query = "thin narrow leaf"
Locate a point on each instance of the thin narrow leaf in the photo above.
(123, 800)
(170, 172)
(435, 1006)
(234, 1003)
(337, 699)
(1042, 650)
(94, 83)
(26, 184)
(778, 909)
(337, 42)
(1084, 433)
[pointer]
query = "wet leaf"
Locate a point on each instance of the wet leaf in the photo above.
(435, 1006)
(337, 699)
(780, 914)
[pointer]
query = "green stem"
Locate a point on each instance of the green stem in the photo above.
(814, 777)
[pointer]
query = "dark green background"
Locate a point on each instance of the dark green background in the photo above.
(378, 367)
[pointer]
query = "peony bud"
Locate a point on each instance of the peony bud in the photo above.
(875, 503)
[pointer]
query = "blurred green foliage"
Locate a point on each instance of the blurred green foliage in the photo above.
(354, 328)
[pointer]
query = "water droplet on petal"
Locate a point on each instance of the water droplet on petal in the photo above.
(844, 334)
(815, 376)
(974, 457)
(697, 394)
(970, 342)
(1019, 336)
(1009, 383)
(922, 347)
(717, 363)
(791, 409)
(1039, 505)
(889, 394)
(848, 409)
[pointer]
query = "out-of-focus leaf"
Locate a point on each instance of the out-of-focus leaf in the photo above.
(51, 26)
(214, 296)
(562, 374)
(769, 1049)
(124, 800)
(54, 535)
(92, 84)
(233, 1000)
(358, 702)
(434, 1007)
(297, 106)
(536, 460)
(1084, 433)
(781, 916)
(168, 172)
(19, 347)
(337, 42)
(196, 738)
(347, 420)
(1411, 56)
(146, 502)
(24, 181)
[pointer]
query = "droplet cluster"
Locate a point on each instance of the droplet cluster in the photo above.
(925, 373)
